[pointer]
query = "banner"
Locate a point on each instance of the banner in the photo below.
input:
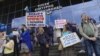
(60, 23)
(35, 19)
(17, 22)
(69, 39)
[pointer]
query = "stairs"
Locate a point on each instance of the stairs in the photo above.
(54, 51)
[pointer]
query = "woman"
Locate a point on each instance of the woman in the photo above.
(43, 40)
(26, 44)
(68, 51)
(9, 47)
(89, 32)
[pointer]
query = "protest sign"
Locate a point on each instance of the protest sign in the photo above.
(69, 39)
(60, 23)
(35, 19)
(15, 33)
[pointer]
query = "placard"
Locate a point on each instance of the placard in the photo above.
(35, 19)
(60, 23)
(69, 39)
(15, 33)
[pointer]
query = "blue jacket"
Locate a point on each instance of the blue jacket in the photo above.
(26, 38)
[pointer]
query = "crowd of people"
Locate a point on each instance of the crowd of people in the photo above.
(23, 41)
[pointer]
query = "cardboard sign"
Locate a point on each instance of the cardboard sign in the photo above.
(60, 23)
(35, 19)
(69, 39)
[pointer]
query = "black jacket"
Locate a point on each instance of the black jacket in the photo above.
(43, 38)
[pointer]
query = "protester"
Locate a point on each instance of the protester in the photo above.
(2, 42)
(15, 36)
(9, 47)
(68, 51)
(57, 34)
(51, 34)
(43, 40)
(74, 28)
(90, 33)
(32, 34)
(49, 31)
(26, 45)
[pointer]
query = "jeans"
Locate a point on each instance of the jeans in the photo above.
(92, 47)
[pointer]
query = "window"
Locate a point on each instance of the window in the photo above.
(71, 2)
(12, 8)
(5, 10)
(19, 6)
(34, 2)
(87, 0)
(24, 3)
(56, 3)
(18, 14)
(17, 1)
(76, 1)
(42, 1)
(0, 18)
(11, 16)
(0, 11)
(10, 2)
(64, 2)
(4, 17)
(23, 13)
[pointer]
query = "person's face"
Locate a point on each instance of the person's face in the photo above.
(41, 29)
(85, 18)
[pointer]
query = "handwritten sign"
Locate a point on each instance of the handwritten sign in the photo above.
(69, 39)
(60, 23)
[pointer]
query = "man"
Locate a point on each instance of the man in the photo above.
(90, 33)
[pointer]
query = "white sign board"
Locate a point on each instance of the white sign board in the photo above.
(60, 23)
(69, 39)
(15, 33)
(35, 19)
